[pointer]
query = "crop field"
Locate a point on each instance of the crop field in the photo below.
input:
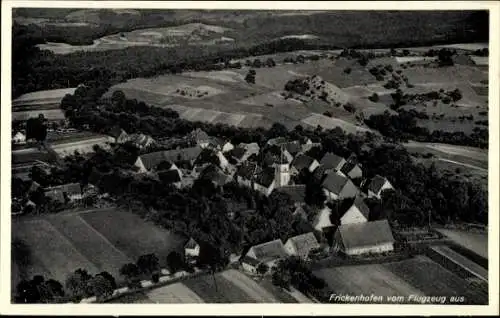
(40, 97)
(86, 145)
(330, 123)
(49, 114)
(95, 240)
(416, 276)
(476, 242)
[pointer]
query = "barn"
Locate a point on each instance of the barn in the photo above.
(361, 238)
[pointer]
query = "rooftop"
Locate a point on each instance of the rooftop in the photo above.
(366, 234)
(334, 183)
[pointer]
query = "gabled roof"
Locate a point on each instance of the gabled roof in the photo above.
(304, 243)
(334, 183)
(331, 160)
(170, 176)
(214, 174)
(248, 171)
(366, 234)
(348, 167)
(376, 183)
(302, 162)
(293, 147)
(269, 250)
(319, 173)
(250, 261)
(55, 195)
(276, 141)
(207, 156)
(191, 244)
(359, 203)
(296, 192)
(265, 177)
(276, 155)
(151, 160)
(116, 131)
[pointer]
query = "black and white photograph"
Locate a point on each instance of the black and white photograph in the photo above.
(249, 155)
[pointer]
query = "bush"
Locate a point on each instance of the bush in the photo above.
(374, 97)
(350, 108)
(347, 70)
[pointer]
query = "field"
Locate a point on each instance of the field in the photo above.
(40, 97)
(82, 145)
(230, 286)
(49, 114)
(475, 242)
(417, 276)
(96, 240)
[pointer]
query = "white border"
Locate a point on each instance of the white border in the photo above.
(253, 309)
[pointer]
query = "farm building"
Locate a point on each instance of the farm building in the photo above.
(377, 185)
(332, 162)
(72, 191)
(199, 138)
(358, 212)
(322, 219)
(149, 161)
(301, 245)
(296, 192)
(118, 134)
(362, 238)
(19, 138)
(304, 162)
(338, 187)
(268, 253)
(265, 181)
(191, 248)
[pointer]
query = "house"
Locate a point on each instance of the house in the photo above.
(377, 185)
(352, 168)
(358, 212)
(19, 138)
(301, 245)
(199, 138)
(246, 174)
(214, 174)
(296, 192)
(361, 238)
(338, 187)
(322, 219)
(171, 177)
(304, 162)
(300, 212)
(332, 162)
(191, 248)
(220, 144)
(268, 253)
(149, 161)
(275, 155)
(119, 135)
(209, 156)
(72, 191)
(236, 154)
(250, 264)
(293, 147)
(308, 146)
(278, 141)
(265, 181)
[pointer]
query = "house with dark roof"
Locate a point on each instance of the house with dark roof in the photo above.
(55, 195)
(338, 187)
(332, 162)
(171, 177)
(358, 212)
(200, 138)
(377, 185)
(362, 238)
(301, 245)
(236, 154)
(304, 162)
(352, 169)
(118, 134)
(246, 174)
(293, 147)
(268, 253)
(150, 161)
(215, 175)
(264, 181)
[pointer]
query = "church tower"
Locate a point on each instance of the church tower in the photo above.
(282, 171)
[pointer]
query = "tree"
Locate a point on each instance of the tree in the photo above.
(131, 273)
(270, 62)
(77, 284)
(101, 287)
(110, 278)
(148, 263)
(250, 77)
(445, 57)
(36, 128)
(27, 292)
(374, 98)
(174, 262)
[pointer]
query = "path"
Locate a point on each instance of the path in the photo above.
(464, 164)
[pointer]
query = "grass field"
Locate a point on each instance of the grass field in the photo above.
(416, 276)
(476, 242)
(99, 240)
(49, 114)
